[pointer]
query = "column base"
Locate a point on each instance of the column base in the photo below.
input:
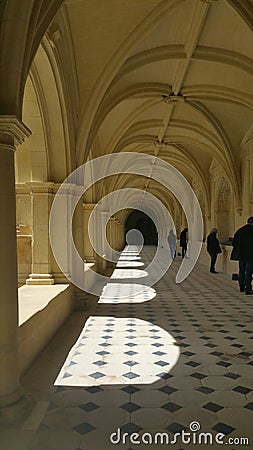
(13, 412)
(60, 278)
(40, 279)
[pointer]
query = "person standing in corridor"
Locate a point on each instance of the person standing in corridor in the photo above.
(213, 248)
(172, 240)
(243, 252)
(183, 241)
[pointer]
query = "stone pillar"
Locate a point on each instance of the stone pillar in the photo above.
(89, 253)
(78, 221)
(71, 196)
(115, 236)
(13, 403)
(78, 236)
(24, 245)
(110, 239)
(247, 181)
(41, 198)
(121, 243)
(100, 231)
(105, 236)
(118, 235)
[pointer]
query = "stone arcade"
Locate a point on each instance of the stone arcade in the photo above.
(80, 79)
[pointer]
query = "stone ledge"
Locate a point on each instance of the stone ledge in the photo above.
(32, 299)
(42, 311)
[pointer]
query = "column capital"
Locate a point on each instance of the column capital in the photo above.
(14, 128)
(36, 187)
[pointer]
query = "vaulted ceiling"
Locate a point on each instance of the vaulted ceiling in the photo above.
(171, 78)
(177, 73)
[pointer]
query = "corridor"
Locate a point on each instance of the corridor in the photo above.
(159, 360)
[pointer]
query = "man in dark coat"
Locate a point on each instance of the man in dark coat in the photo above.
(183, 241)
(243, 252)
(213, 248)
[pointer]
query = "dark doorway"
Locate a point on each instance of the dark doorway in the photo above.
(140, 221)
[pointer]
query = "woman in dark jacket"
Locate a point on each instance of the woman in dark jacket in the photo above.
(183, 241)
(213, 248)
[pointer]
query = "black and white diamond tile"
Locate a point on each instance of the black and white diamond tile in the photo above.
(156, 359)
(117, 352)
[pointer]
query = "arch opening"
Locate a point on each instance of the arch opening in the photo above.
(138, 220)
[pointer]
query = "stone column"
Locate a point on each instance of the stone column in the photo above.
(114, 237)
(109, 232)
(89, 253)
(13, 403)
(61, 231)
(118, 235)
(41, 198)
(77, 230)
(121, 237)
(248, 180)
(100, 239)
(110, 239)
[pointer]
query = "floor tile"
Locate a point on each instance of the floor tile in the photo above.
(155, 362)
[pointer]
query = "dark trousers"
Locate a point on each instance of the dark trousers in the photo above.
(245, 275)
(213, 261)
(184, 250)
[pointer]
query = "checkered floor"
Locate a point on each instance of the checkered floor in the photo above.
(154, 360)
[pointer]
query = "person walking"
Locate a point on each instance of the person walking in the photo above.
(183, 241)
(172, 240)
(243, 252)
(213, 248)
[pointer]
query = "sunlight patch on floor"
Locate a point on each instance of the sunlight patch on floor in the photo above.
(125, 263)
(126, 293)
(129, 273)
(119, 351)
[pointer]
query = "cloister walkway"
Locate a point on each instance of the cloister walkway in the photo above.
(173, 357)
